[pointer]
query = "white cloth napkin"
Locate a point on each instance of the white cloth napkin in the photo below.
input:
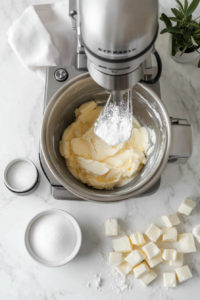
(43, 36)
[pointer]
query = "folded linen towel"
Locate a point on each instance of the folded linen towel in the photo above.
(43, 36)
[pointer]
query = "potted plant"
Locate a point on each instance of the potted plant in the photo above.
(185, 34)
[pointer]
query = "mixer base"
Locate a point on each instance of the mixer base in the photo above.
(52, 86)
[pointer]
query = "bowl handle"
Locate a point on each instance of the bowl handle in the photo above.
(181, 148)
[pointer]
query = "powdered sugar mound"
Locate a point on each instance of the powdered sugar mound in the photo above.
(114, 132)
(114, 125)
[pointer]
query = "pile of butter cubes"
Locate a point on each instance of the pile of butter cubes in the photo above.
(133, 253)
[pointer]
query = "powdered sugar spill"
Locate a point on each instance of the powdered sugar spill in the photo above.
(113, 281)
(119, 284)
(98, 280)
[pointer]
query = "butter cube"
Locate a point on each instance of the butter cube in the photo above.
(124, 268)
(178, 262)
(141, 270)
(137, 239)
(186, 207)
(186, 242)
(169, 254)
(135, 257)
(154, 261)
(169, 279)
(151, 250)
(153, 232)
(115, 259)
(196, 232)
(183, 273)
(111, 227)
(122, 244)
(169, 235)
(171, 220)
(148, 278)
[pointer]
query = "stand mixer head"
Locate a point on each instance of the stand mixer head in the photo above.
(117, 36)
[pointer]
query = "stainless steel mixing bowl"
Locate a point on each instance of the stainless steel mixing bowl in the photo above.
(148, 109)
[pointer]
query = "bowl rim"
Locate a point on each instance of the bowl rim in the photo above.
(103, 198)
(47, 263)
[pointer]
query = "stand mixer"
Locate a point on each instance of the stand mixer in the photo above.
(115, 39)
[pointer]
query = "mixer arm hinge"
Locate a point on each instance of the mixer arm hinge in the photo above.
(74, 13)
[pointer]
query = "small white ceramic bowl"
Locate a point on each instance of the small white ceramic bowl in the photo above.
(14, 170)
(47, 263)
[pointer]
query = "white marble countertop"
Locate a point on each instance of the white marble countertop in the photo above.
(21, 94)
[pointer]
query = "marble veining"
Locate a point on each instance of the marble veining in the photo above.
(21, 96)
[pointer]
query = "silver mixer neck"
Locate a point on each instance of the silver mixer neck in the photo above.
(114, 39)
(117, 96)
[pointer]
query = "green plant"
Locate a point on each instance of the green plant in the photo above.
(186, 32)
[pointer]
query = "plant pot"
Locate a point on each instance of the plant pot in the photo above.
(186, 57)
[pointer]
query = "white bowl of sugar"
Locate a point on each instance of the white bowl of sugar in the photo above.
(53, 238)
